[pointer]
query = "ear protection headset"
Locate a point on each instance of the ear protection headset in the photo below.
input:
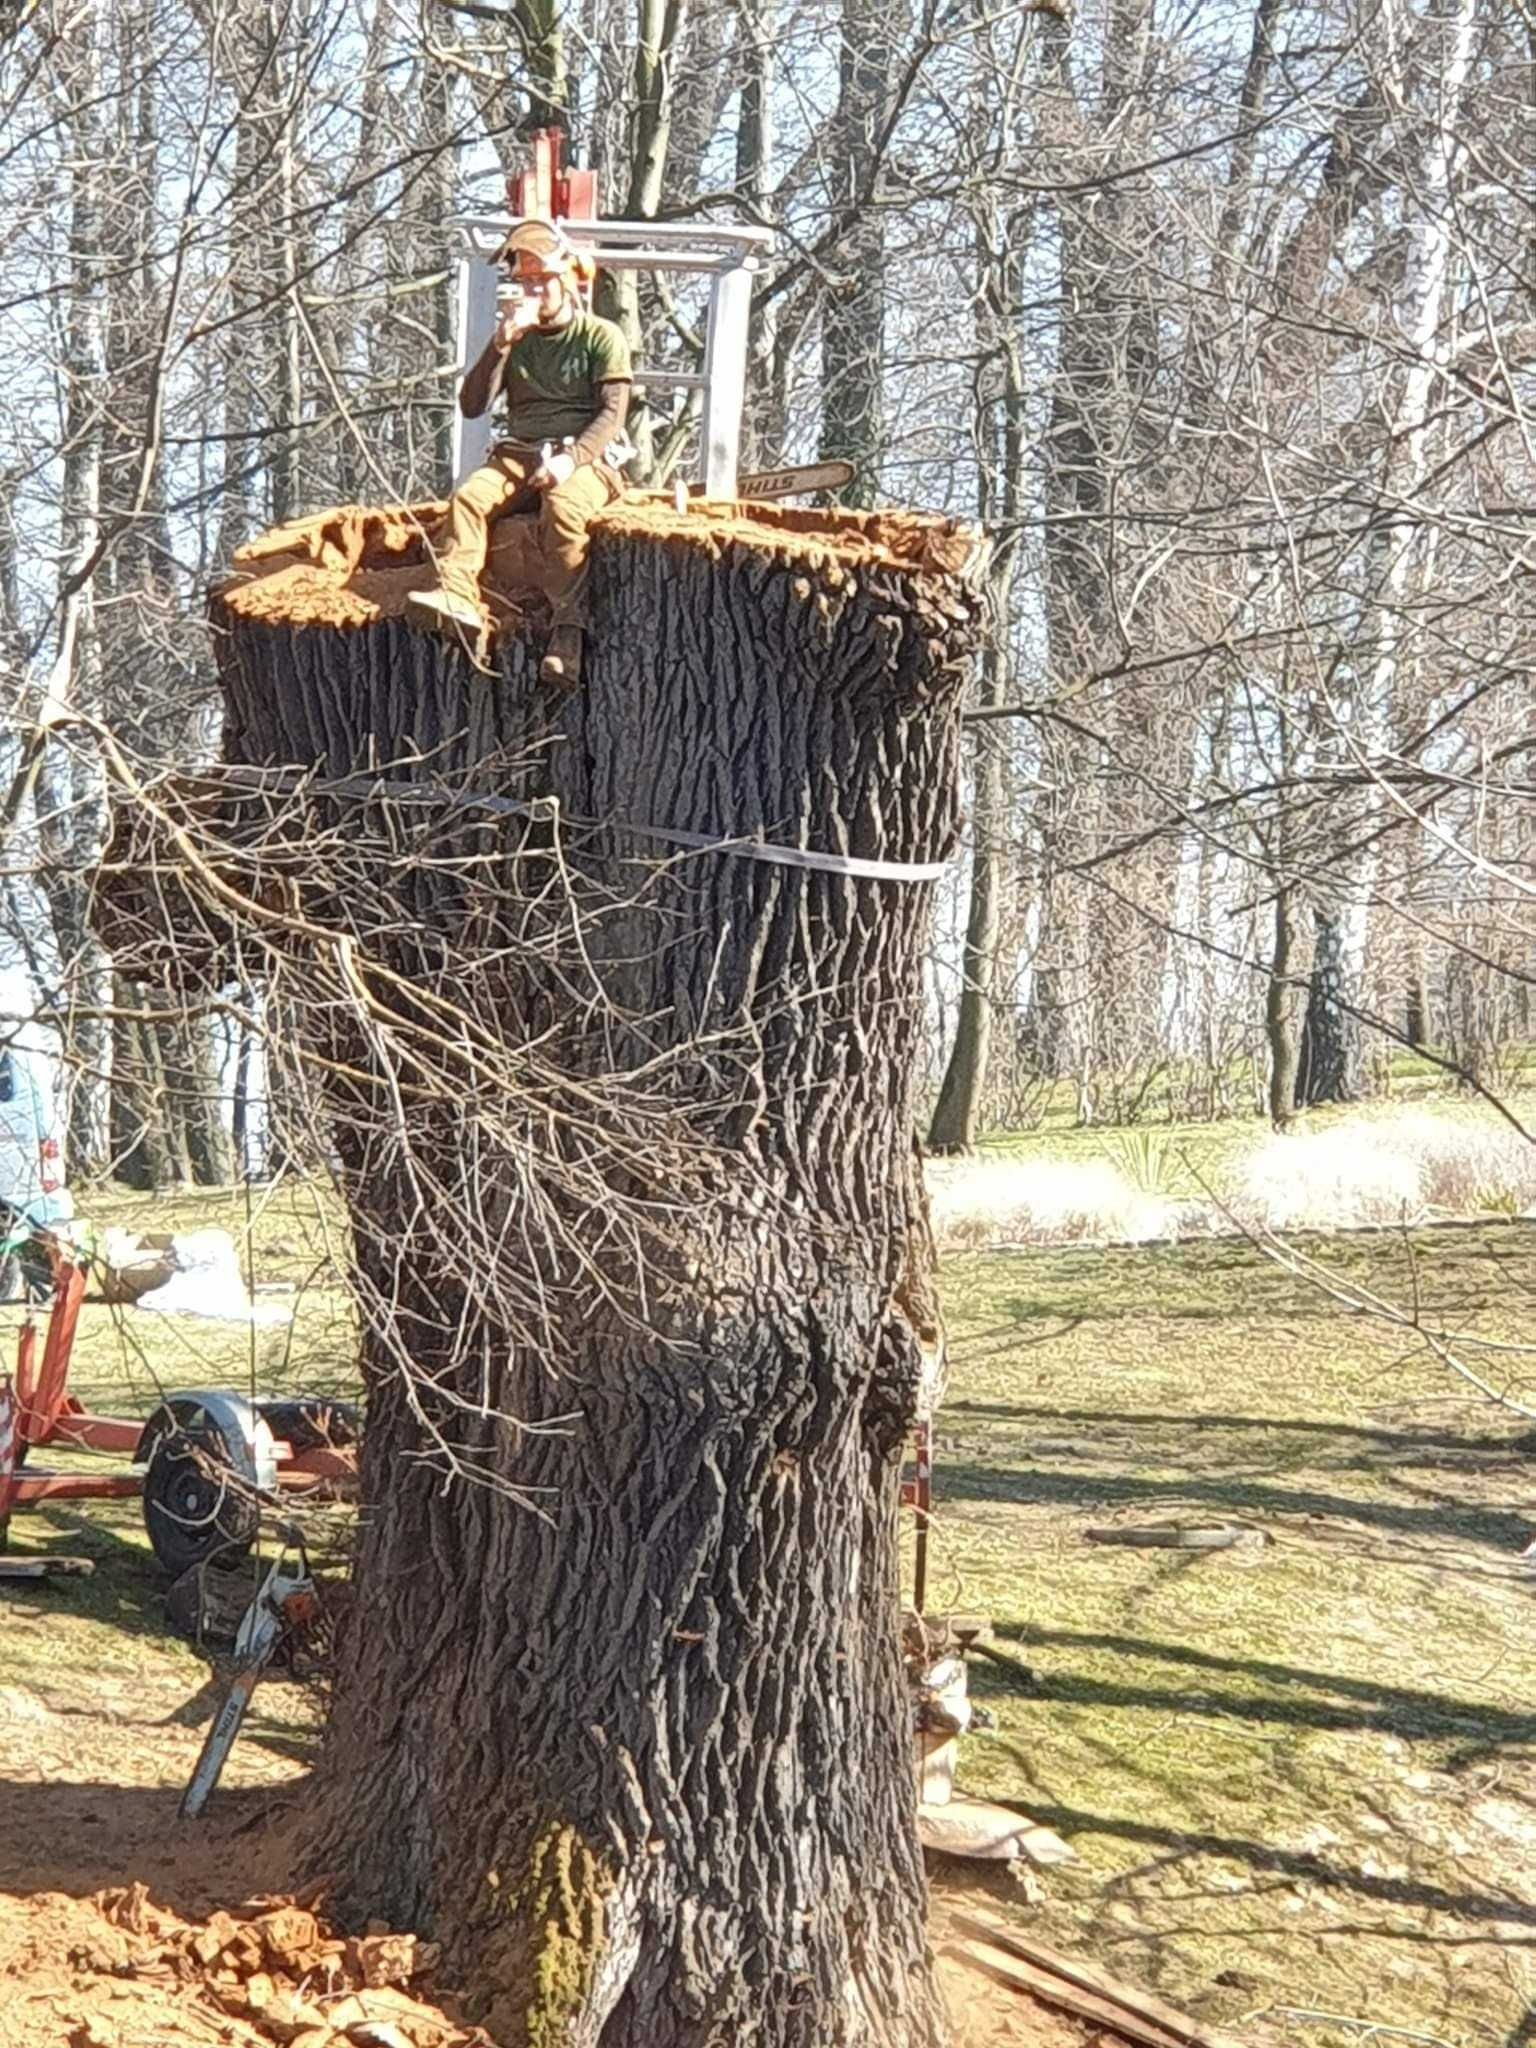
(542, 243)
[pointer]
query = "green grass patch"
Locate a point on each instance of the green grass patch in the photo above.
(1302, 1776)
(110, 1629)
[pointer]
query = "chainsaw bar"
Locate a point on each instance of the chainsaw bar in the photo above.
(768, 483)
(286, 1604)
(220, 1739)
(789, 483)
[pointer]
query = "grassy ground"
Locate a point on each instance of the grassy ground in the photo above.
(1300, 1779)
(106, 1637)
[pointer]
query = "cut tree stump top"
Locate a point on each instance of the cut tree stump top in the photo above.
(754, 673)
(352, 565)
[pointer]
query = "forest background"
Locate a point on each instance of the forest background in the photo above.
(1221, 320)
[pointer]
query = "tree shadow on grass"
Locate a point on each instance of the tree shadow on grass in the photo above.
(1397, 1710)
(1136, 1281)
(126, 1594)
(1202, 1280)
(127, 1588)
(1033, 1486)
(1298, 1865)
(1395, 1441)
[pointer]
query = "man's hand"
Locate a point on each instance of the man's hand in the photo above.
(483, 378)
(556, 468)
(515, 320)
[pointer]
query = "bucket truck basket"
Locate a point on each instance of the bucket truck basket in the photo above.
(724, 257)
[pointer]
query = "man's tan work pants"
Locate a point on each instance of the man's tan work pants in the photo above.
(553, 557)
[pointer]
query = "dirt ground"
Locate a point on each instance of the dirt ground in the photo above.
(103, 1887)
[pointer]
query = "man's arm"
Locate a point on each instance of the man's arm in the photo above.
(482, 380)
(606, 424)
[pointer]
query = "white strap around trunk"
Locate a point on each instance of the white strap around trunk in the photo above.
(548, 807)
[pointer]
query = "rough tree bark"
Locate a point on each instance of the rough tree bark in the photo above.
(1002, 481)
(1329, 1058)
(762, 427)
(642, 1760)
(853, 326)
(1281, 1004)
(70, 803)
(957, 1112)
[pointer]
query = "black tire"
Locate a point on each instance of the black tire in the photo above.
(196, 1508)
(10, 1276)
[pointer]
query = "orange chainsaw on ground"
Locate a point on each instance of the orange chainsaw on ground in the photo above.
(286, 1607)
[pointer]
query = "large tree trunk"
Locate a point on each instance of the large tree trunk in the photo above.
(621, 1718)
(1329, 1058)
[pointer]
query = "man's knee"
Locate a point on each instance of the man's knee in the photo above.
(487, 489)
(570, 507)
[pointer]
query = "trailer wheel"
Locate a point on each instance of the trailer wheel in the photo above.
(196, 1506)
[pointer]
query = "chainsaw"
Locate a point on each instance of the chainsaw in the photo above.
(771, 483)
(792, 482)
(287, 1605)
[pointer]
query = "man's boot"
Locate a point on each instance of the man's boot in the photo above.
(446, 612)
(561, 666)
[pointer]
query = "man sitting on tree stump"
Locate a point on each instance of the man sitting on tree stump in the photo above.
(565, 376)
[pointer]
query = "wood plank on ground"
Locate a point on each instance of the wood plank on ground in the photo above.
(45, 1567)
(1081, 1988)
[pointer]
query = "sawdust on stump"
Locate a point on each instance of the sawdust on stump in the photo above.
(353, 565)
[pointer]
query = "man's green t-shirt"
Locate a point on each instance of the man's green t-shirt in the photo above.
(551, 384)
